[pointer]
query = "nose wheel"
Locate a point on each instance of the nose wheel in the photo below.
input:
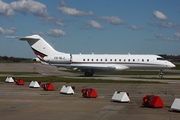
(161, 74)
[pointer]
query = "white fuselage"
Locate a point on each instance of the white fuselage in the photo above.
(113, 61)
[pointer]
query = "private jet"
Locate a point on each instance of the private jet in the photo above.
(91, 63)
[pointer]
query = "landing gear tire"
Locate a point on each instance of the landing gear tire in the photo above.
(161, 74)
(88, 74)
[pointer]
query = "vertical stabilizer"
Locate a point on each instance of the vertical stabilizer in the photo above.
(40, 47)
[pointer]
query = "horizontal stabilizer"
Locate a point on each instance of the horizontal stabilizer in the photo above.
(29, 38)
(14, 37)
(33, 37)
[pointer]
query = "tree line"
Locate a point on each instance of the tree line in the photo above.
(172, 58)
(4, 59)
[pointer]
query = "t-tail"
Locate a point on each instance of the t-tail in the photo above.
(44, 51)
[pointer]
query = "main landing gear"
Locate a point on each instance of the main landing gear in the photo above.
(88, 74)
(161, 74)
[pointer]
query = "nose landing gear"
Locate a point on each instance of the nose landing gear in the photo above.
(161, 74)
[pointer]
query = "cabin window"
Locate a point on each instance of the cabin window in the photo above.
(101, 60)
(147, 60)
(96, 59)
(160, 59)
(83, 59)
(105, 59)
(91, 59)
(114, 59)
(133, 60)
(120, 60)
(142, 60)
(110, 59)
(87, 59)
(124, 60)
(129, 60)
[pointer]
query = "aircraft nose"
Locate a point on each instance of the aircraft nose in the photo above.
(171, 65)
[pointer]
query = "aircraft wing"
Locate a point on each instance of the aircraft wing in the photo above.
(96, 67)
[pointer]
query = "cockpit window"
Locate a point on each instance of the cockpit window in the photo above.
(161, 59)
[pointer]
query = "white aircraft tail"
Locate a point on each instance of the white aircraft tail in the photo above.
(40, 47)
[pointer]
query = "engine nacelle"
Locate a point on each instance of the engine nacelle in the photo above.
(60, 58)
(36, 60)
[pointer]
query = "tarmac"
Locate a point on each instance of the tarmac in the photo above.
(22, 102)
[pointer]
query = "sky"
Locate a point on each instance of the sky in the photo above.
(92, 26)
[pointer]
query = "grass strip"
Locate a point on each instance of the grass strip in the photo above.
(75, 80)
(157, 78)
(19, 73)
(124, 72)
